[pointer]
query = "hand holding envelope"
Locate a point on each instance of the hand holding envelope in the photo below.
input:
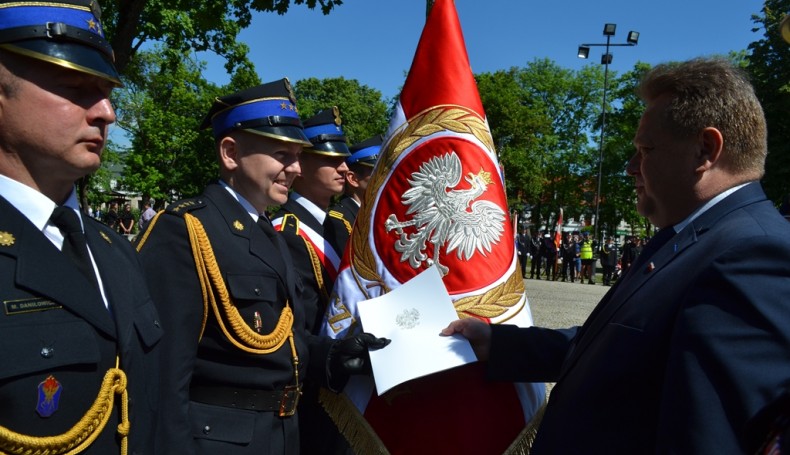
(350, 356)
(412, 316)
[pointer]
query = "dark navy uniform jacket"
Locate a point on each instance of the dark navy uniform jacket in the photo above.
(348, 207)
(55, 323)
(259, 279)
(332, 235)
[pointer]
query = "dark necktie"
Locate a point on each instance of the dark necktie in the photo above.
(74, 244)
(268, 229)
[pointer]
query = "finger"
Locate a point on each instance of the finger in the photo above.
(454, 327)
(371, 341)
(378, 343)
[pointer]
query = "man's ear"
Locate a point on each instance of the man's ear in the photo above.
(352, 178)
(711, 145)
(229, 153)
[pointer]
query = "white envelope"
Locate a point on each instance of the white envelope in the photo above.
(412, 316)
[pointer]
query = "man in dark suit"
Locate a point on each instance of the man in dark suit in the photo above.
(693, 341)
(238, 352)
(360, 168)
(79, 332)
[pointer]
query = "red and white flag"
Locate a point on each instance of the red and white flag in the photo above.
(558, 231)
(436, 197)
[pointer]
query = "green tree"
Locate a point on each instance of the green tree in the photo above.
(513, 126)
(161, 107)
(362, 108)
(769, 66)
(539, 117)
(184, 25)
(617, 188)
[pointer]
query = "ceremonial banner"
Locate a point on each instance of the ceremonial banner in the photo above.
(436, 197)
(558, 231)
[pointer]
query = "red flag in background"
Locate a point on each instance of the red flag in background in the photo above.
(558, 231)
(436, 197)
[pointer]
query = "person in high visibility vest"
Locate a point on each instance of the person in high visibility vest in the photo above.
(587, 248)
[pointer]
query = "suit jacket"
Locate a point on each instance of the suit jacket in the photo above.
(680, 353)
(259, 278)
(348, 207)
(332, 236)
(70, 335)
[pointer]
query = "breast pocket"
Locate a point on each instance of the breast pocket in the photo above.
(29, 349)
(251, 288)
(259, 299)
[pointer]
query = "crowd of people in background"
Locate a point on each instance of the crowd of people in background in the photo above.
(577, 256)
(123, 220)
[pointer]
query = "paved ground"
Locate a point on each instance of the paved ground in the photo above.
(556, 304)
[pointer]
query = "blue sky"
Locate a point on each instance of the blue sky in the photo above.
(373, 41)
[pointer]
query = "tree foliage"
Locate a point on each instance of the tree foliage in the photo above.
(363, 110)
(161, 108)
(618, 200)
(185, 25)
(539, 117)
(769, 66)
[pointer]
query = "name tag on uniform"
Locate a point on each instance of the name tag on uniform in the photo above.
(21, 306)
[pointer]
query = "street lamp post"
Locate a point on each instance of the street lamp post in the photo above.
(584, 51)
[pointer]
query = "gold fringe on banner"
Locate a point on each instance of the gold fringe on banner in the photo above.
(351, 423)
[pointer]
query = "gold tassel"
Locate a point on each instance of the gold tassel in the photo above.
(81, 435)
(523, 443)
(351, 423)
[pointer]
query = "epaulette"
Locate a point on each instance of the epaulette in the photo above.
(290, 223)
(339, 216)
(185, 206)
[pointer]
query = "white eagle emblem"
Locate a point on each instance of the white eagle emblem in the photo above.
(444, 215)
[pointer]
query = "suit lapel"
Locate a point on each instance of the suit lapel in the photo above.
(44, 270)
(114, 269)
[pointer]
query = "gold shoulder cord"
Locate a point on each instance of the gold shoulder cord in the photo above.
(314, 261)
(240, 334)
(81, 435)
(210, 277)
(339, 216)
(148, 230)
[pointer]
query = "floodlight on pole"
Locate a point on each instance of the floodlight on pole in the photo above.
(785, 28)
(606, 59)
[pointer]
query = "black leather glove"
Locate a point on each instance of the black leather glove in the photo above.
(350, 356)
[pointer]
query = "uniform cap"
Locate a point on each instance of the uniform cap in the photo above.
(366, 152)
(267, 110)
(325, 132)
(64, 32)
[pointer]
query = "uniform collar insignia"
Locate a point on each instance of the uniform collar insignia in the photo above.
(6, 238)
(238, 225)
